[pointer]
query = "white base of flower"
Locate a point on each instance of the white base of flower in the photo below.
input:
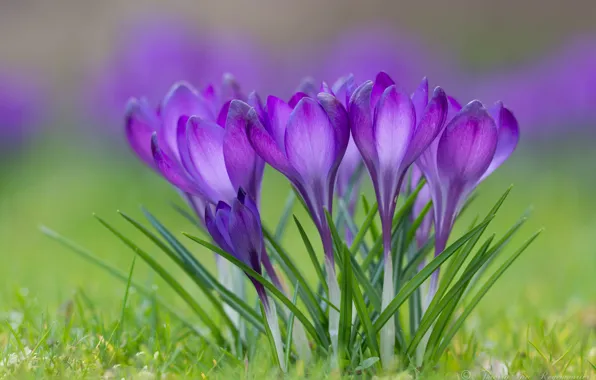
(335, 299)
(388, 330)
(301, 341)
(232, 278)
(271, 316)
(425, 303)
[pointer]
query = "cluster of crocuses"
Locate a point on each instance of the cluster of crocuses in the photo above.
(212, 145)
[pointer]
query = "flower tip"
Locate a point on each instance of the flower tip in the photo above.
(241, 195)
(439, 92)
(181, 88)
(384, 78)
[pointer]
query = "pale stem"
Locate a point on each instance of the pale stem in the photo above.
(388, 330)
(271, 316)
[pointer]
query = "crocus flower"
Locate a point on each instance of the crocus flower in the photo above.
(391, 131)
(305, 140)
(348, 172)
(472, 145)
(237, 227)
(197, 141)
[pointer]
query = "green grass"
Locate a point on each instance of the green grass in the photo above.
(63, 317)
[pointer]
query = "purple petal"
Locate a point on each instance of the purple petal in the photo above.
(246, 234)
(311, 143)
(382, 81)
(326, 89)
(454, 108)
(254, 100)
(297, 97)
(307, 86)
(244, 167)
(361, 123)
(230, 89)
(223, 114)
(279, 114)
(508, 130)
(394, 125)
(182, 100)
(339, 120)
(205, 143)
(141, 121)
(170, 169)
(467, 146)
(420, 98)
(222, 240)
(266, 147)
(343, 88)
(430, 123)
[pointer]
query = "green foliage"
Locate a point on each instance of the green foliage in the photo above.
(359, 267)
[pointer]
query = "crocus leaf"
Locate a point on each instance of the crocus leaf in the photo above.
(116, 273)
(196, 271)
(345, 314)
(290, 268)
(317, 334)
(481, 293)
(205, 288)
(419, 278)
(312, 255)
(285, 216)
(176, 286)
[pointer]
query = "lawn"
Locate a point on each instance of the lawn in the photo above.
(64, 317)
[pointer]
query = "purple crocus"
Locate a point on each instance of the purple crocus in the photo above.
(472, 145)
(197, 141)
(305, 140)
(237, 229)
(391, 130)
(348, 172)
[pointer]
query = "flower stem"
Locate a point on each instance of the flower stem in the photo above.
(271, 316)
(335, 299)
(388, 330)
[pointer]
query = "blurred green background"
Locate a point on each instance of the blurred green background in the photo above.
(64, 173)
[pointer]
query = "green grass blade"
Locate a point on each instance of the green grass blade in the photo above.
(416, 224)
(199, 274)
(193, 273)
(114, 272)
(282, 223)
(351, 224)
(317, 334)
(418, 257)
(168, 278)
(372, 293)
(271, 339)
(307, 295)
(312, 255)
(186, 215)
(368, 221)
(291, 327)
(345, 314)
(421, 276)
(479, 295)
(364, 317)
(443, 307)
(126, 293)
(374, 230)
